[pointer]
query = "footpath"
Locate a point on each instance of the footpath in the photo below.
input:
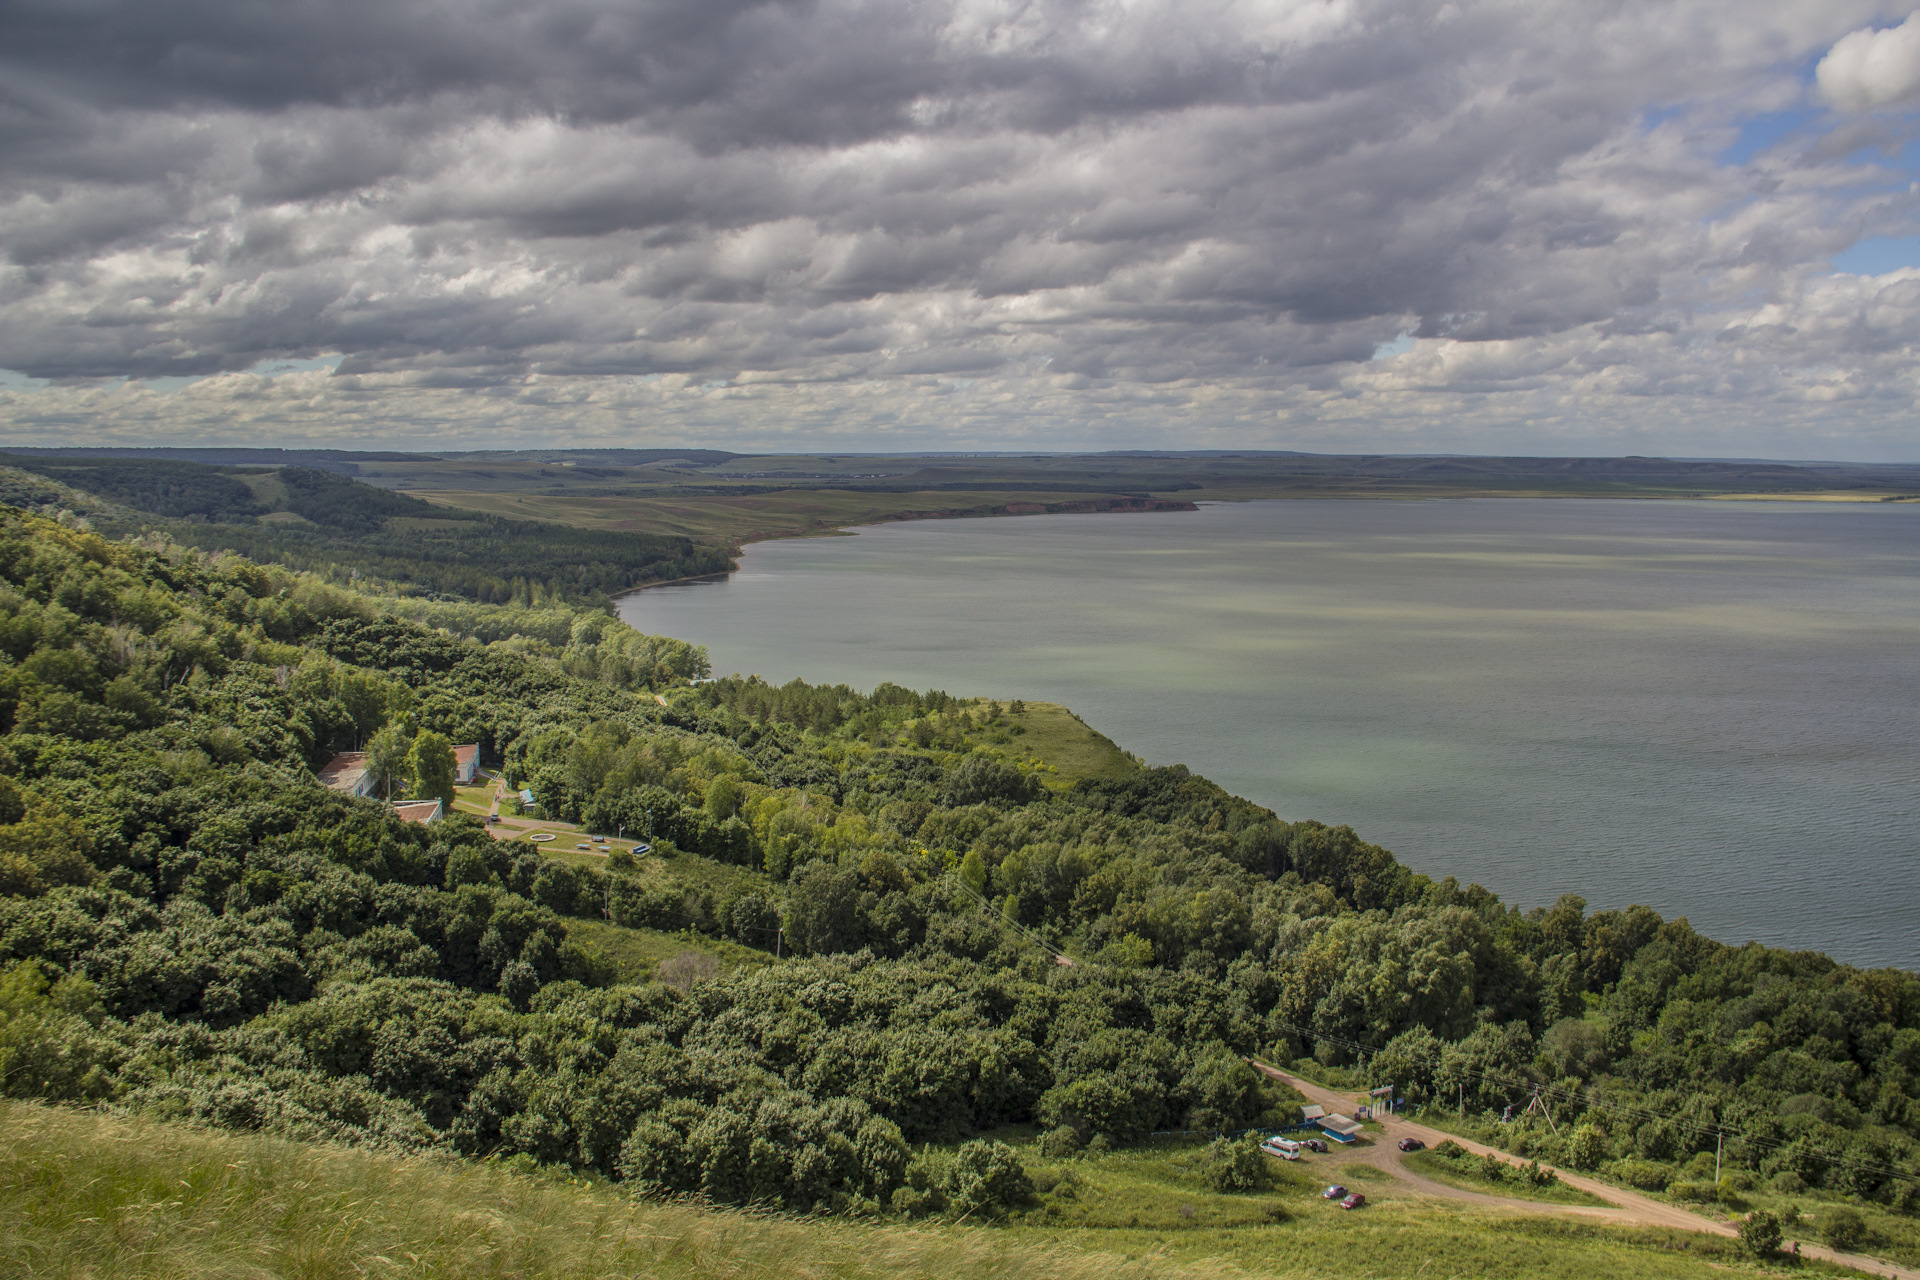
(1630, 1208)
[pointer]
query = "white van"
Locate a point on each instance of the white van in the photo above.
(1285, 1148)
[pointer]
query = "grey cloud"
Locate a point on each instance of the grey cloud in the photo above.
(1204, 207)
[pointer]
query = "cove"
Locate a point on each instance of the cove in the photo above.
(1709, 708)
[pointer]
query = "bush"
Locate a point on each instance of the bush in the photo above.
(1235, 1165)
(1841, 1228)
(1643, 1174)
(1586, 1148)
(1061, 1141)
(985, 1178)
(1760, 1234)
(1692, 1192)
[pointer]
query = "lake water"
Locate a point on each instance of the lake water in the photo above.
(1710, 708)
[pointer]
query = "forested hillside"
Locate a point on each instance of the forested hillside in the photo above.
(352, 533)
(193, 927)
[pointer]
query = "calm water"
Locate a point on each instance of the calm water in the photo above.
(1710, 708)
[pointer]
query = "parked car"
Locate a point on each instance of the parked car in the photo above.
(1284, 1148)
(1333, 1192)
(1316, 1146)
(1353, 1201)
(1412, 1144)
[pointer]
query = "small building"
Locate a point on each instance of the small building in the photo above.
(1338, 1127)
(421, 811)
(1312, 1114)
(348, 774)
(466, 763)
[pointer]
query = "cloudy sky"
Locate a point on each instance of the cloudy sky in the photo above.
(1518, 226)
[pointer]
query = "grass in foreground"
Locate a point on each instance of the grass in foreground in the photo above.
(103, 1197)
(83, 1195)
(1152, 1202)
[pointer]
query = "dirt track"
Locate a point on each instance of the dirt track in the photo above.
(1630, 1209)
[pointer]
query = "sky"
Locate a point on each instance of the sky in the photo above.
(1512, 227)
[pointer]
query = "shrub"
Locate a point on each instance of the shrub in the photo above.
(1230, 1165)
(1060, 1142)
(1692, 1192)
(1760, 1234)
(1539, 1175)
(1644, 1174)
(1586, 1148)
(984, 1177)
(1841, 1228)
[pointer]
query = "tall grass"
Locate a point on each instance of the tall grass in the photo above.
(89, 1195)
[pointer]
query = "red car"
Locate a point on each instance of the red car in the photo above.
(1412, 1144)
(1353, 1201)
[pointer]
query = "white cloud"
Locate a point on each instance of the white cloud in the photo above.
(1868, 68)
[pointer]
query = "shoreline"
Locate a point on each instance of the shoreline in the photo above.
(1121, 506)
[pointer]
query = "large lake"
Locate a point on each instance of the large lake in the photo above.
(1710, 708)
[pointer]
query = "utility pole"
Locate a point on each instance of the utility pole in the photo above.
(1719, 1136)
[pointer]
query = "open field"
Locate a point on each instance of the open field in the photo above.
(634, 954)
(1057, 737)
(102, 1197)
(735, 518)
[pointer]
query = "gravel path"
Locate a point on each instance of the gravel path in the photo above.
(1630, 1208)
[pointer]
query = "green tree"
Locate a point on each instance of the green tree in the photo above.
(430, 759)
(973, 872)
(723, 797)
(389, 761)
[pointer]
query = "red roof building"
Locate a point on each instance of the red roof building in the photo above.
(466, 763)
(421, 811)
(347, 773)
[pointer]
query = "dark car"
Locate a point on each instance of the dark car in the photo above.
(1333, 1192)
(1315, 1145)
(1353, 1201)
(1412, 1144)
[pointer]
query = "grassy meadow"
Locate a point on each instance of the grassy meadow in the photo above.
(83, 1194)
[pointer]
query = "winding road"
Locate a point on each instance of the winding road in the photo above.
(1630, 1208)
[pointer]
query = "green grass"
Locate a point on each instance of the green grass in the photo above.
(1513, 1185)
(1057, 737)
(95, 1197)
(635, 953)
(90, 1196)
(1150, 1203)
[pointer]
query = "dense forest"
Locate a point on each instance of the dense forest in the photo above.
(191, 926)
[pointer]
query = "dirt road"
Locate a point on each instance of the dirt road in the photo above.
(1630, 1209)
